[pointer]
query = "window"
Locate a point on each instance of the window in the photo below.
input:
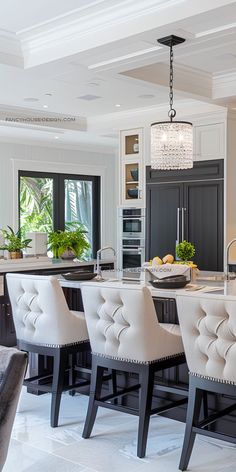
(50, 201)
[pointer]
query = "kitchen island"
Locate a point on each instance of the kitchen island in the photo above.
(165, 302)
(177, 377)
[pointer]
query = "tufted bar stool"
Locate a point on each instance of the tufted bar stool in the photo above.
(125, 335)
(44, 325)
(208, 327)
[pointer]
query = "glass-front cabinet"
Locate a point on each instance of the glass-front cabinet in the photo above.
(131, 165)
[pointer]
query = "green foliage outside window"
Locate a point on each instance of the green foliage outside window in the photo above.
(36, 204)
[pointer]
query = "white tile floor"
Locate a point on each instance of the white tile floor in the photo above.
(37, 447)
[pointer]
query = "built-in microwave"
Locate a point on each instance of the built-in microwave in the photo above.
(133, 222)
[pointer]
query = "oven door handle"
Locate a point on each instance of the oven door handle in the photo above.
(133, 250)
(132, 218)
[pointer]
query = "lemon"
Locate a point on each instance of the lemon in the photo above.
(157, 261)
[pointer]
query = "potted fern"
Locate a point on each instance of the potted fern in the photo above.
(14, 243)
(69, 244)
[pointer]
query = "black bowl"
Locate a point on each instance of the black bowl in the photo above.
(134, 174)
(179, 281)
(132, 192)
(79, 275)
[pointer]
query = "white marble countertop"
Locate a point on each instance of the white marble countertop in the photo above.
(22, 265)
(213, 288)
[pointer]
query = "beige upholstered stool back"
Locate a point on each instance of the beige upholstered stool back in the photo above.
(40, 311)
(208, 327)
(122, 323)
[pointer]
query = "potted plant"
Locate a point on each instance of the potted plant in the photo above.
(185, 251)
(68, 244)
(13, 243)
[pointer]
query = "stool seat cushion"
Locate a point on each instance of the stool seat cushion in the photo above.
(83, 332)
(171, 328)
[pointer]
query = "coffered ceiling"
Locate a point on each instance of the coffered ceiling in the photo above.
(84, 58)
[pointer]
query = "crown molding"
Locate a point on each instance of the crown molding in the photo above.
(10, 49)
(217, 30)
(224, 85)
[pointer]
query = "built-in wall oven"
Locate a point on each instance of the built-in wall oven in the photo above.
(132, 248)
(133, 253)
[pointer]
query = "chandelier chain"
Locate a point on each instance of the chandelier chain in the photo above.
(172, 111)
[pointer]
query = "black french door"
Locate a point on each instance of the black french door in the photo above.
(51, 201)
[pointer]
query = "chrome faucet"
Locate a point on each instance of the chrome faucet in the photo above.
(227, 258)
(99, 252)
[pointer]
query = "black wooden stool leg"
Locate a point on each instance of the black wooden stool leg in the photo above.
(194, 407)
(145, 404)
(72, 362)
(205, 405)
(114, 384)
(59, 366)
(95, 393)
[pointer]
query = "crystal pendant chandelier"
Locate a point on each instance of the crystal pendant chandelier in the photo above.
(171, 141)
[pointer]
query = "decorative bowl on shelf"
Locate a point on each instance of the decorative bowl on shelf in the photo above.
(133, 192)
(134, 174)
(79, 275)
(179, 281)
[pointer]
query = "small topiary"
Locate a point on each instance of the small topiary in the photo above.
(185, 251)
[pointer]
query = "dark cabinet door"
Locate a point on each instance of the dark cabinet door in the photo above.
(163, 200)
(204, 222)
(198, 192)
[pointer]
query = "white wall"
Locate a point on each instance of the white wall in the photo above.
(35, 157)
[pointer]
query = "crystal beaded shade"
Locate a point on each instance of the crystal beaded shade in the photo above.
(172, 145)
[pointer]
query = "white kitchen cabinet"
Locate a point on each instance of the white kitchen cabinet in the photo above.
(209, 141)
(131, 168)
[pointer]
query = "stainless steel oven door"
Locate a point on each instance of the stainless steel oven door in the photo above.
(132, 257)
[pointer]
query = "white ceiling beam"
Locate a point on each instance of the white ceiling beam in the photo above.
(90, 28)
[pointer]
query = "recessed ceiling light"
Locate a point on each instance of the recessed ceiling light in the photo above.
(89, 97)
(48, 94)
(56, 137)
(227, 55)
(31, 99)
(93, 84)
(117, 105)
(45, 106)
(147, 95)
